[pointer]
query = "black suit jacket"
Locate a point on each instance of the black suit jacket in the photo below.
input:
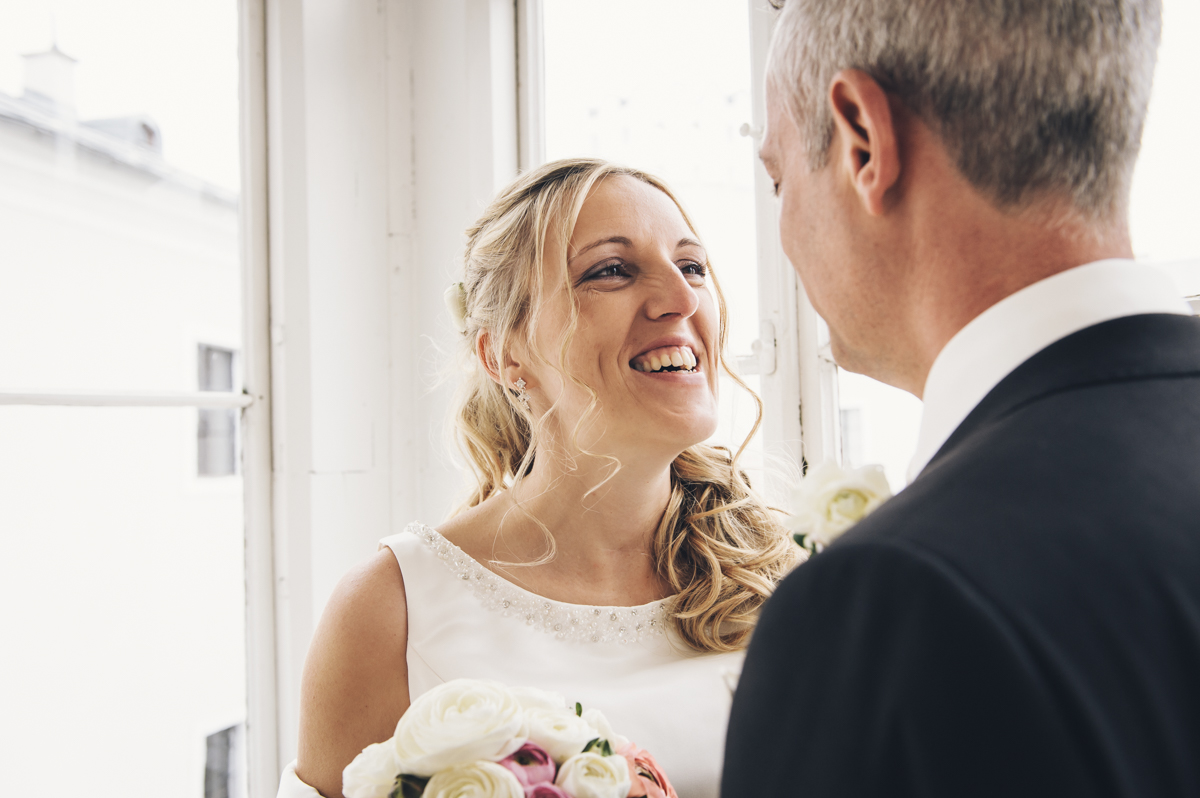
(1024, 619)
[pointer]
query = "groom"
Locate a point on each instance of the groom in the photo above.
(1023, 619)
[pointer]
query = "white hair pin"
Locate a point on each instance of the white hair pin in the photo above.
(456, 303)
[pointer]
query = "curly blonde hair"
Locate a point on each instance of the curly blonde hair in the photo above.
(719, 546)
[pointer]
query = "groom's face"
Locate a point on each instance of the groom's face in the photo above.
(821, 238)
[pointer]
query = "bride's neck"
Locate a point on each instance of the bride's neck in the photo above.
(591, 511)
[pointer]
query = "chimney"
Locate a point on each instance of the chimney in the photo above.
(50, 81)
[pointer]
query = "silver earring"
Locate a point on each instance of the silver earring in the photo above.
(522, 394)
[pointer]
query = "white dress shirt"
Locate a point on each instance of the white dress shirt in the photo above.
(1019, 326)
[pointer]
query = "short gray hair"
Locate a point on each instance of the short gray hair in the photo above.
(1033, 98)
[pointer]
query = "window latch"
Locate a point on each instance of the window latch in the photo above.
(762, 358)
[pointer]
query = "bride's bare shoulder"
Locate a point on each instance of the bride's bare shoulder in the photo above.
(355, 682)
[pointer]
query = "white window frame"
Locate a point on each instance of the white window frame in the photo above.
(261, 737)
(377, 132)
(798, 375)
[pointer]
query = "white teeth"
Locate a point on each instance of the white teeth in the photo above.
(676, 357)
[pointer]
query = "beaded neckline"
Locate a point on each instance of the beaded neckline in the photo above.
(578, 623)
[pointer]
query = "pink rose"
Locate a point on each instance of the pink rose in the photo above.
(545, 790)
(648, 778)
(530, 764)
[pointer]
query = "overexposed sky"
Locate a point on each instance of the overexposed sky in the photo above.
(175, 60)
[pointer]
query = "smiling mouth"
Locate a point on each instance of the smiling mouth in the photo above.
(667, 359)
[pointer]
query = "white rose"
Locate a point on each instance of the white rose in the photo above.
(474, 780)
(605, 730)
(593, 776)
(830, 500)
(458, 722)
(373, 773)
(560, 731)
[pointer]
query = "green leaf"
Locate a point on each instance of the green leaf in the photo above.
(408, 787)
(600, 746)
(578, 709)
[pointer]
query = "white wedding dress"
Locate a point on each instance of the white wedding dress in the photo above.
(465, 621)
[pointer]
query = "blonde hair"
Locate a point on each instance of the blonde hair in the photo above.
(718, 546)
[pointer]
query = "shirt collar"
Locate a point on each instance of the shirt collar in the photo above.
(1019, 326)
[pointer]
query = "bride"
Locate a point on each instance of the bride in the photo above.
(606, 553)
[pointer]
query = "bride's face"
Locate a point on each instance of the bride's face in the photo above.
(647, 334)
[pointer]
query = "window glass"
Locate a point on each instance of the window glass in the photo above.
(665, 86)
(1163, 214)
(216, 432)
(121, 568)
(1164, 205)
(120, 212)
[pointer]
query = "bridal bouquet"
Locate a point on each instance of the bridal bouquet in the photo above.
(472, 738)
(830, 500)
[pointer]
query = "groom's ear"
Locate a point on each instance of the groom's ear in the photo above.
(866, 146)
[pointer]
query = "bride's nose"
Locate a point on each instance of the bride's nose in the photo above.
(671, 295)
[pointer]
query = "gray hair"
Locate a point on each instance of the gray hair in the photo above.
(1033, 98)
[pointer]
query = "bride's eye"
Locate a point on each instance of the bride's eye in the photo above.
(691, 268)
(613, 270)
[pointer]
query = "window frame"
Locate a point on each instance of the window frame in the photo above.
(799, 377)
(262, 697)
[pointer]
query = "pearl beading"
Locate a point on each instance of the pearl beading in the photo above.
(576, 623)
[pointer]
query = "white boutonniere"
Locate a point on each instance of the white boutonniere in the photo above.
(829, 500)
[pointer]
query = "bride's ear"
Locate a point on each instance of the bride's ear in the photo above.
(507, 373)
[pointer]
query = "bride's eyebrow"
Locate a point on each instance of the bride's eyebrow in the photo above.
(611, 240)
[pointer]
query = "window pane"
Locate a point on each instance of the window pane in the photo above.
(121, 584)
(879, 425)
(118, 180)
(121, 553)
(664, 86)
(1164, 205)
